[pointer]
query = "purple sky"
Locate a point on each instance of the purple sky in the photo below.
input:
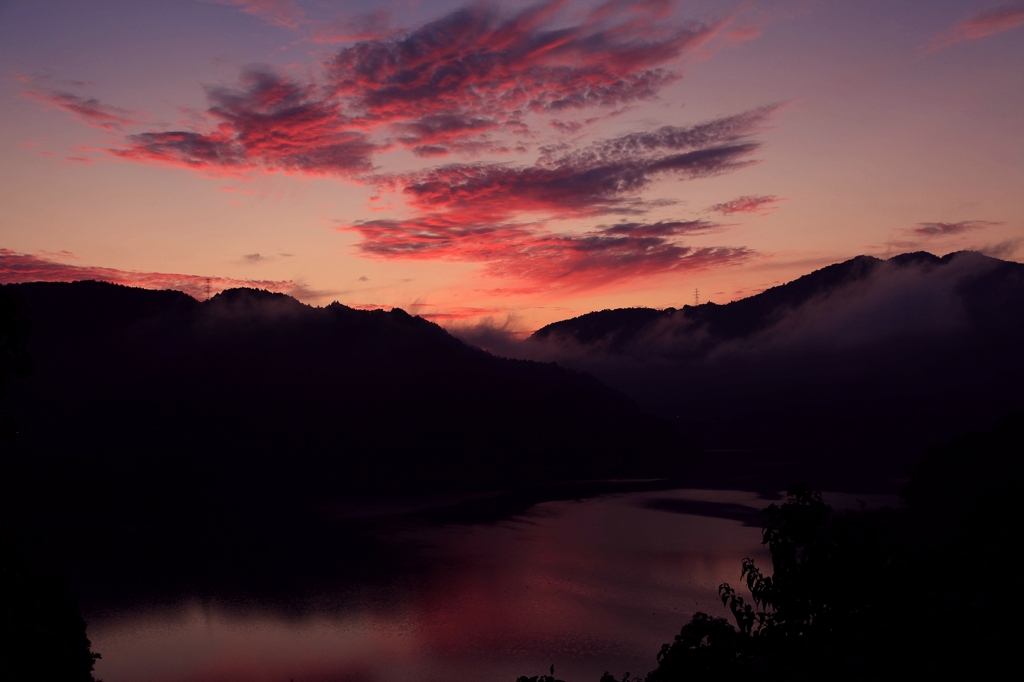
(513, 162)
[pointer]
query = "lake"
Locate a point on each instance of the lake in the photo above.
(585, 585)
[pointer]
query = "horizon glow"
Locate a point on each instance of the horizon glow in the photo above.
(509, 164)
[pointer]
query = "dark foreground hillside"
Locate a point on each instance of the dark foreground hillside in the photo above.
(256, 392)
(219, 431)
(862, 364)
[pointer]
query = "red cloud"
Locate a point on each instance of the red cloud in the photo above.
(531, 253)
(22, 267)
(436, 237)
(595, 260)
(273, 123)
(948, 229)
(468, 212)
(748, 204)
(442, 88)
(88, 109)
(981, 25)
(441, 128)
(603, 177)
(467, 83)
(474, 61)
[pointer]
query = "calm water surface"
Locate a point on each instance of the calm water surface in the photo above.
(588, 586)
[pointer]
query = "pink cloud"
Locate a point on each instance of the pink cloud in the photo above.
(603, 177)
(567, 126)
(272, 123)
(22, 267)
(284, 13)
(981, 25)
(472, 60)
(596, 259)
(441, 128)
(374, 25)
(445, 87)
(466, 84)
(464, 211)
(530, 252)
(89, 110)
(752, 203)
(741, 35)
(449, 313)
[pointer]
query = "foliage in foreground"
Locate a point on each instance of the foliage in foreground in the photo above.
(910, 593)
(42, 635)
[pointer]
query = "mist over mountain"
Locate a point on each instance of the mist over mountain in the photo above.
(220, 433)
(868, 360)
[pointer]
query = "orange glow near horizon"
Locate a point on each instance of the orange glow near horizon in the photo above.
(507, 164)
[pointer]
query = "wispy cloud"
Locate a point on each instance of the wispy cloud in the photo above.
(446, 87)
(753, 203)
(605, 176)
(482, 80)
(926, 235)
(477, 64)
(285, 13)
(375, 25)
(532, 253)
(464, 212)
(949, 229)
(89, 110)
(23, 267)
(980, 25)
(442, 314)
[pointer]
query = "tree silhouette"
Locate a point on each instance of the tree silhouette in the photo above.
(886, 594)
(42, 635)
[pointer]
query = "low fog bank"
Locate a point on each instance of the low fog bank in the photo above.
(871, 358)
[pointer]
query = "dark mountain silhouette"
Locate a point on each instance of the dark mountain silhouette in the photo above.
(42, 635)
(865, 362)
(990, 298)
(219, 431)
(343, 400)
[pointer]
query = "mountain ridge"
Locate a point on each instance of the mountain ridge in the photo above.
(868, 360)
(744, 316)
(147, 399)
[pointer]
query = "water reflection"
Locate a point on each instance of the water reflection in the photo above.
(587, 585)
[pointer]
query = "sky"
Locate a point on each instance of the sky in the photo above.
(509, 163)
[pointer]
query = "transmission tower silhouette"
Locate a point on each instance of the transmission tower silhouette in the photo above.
(207, 289)
(696, 296)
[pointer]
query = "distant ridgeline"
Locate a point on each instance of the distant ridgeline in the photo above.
(866, 356)
(153, 397)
